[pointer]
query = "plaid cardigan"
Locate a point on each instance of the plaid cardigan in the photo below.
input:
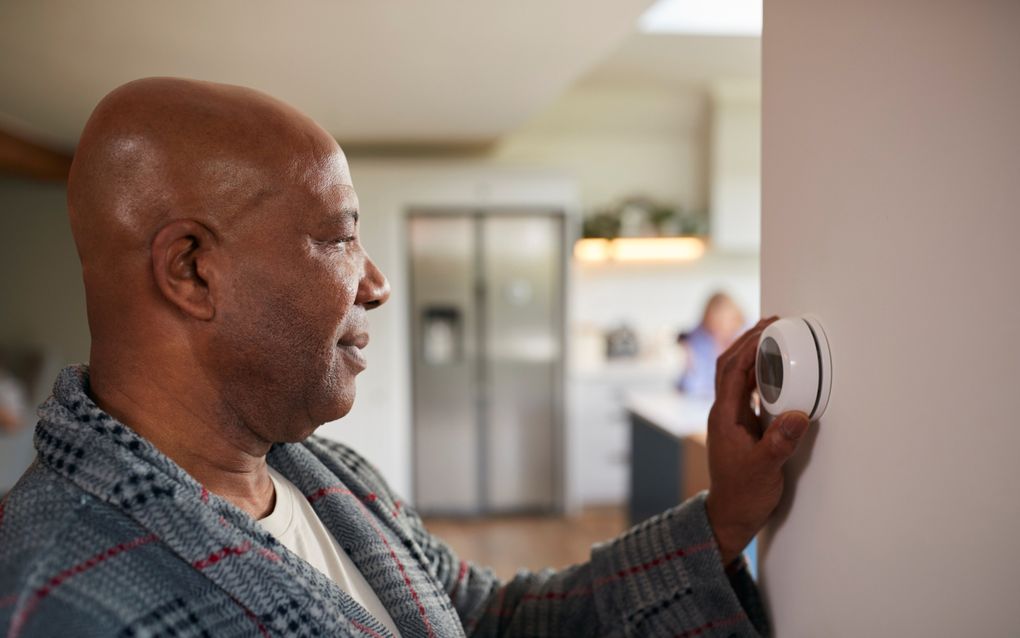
(106, 536)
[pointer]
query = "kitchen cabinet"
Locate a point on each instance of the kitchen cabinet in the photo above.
(599, 426)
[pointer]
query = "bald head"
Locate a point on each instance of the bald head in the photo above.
(217, 230)
(163, 148)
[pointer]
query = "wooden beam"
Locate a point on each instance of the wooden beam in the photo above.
(24, 158)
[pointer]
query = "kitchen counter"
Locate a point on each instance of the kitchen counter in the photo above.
(652, 372)
(669, 458)
(672, 412)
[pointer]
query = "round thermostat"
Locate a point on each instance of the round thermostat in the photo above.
(794, 367)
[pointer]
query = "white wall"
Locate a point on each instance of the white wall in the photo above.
(658, 297)
(618, 141)
(736, 166)
(890, 190)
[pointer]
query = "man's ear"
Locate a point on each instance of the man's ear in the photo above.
(183, 266)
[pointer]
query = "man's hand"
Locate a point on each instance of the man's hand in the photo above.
(745, 464)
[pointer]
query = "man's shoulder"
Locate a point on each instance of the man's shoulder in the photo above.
(56, 537)
(35, 515)
(48, 525)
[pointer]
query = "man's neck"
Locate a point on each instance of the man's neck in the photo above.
(189, 422)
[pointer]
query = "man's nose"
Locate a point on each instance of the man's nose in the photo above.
(373, 289)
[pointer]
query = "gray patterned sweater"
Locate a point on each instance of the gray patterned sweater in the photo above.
(106, 536)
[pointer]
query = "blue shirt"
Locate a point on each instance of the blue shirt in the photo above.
(698, 378)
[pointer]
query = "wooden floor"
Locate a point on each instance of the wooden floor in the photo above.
(510, 543)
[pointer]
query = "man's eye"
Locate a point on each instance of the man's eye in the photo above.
(344, 240)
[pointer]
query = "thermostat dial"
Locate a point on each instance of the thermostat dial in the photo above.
(794, 367)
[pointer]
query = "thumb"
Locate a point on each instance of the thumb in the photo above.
(781, 439)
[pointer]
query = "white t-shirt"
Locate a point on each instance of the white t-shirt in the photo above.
(294, 523)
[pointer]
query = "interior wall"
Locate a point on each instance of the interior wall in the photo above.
(42, 301)
(890, 197)
(41, 292)
(619, 140)
(656, 299)
(736, 165)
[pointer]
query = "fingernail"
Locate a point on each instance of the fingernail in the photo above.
(794, 426)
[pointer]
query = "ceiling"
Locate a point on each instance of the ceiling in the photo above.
(676, 61)
(370, 71)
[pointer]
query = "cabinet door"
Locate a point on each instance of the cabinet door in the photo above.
(602, 430)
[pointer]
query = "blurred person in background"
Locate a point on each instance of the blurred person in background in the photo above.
(721, 324)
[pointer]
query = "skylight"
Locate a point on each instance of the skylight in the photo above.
(704, 17)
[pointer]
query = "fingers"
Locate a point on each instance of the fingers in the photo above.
(751, 334)
(734, 377)
(780, 441)
(748, 416)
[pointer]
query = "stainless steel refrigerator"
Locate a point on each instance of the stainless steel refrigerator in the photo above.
(487, 323)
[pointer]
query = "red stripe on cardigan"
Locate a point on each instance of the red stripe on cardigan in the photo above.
(325, 491)
(378, 532)
(586, 590)
(19, 620)
(655, 562)
(460, 576)
(371, 497)
(364, 629)
(220, 554)
(269, 554)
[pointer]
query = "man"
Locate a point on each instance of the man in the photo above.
(227, 292)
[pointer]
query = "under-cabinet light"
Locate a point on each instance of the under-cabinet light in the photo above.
(639, 249)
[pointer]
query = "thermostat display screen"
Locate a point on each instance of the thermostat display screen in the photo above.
(770, 370)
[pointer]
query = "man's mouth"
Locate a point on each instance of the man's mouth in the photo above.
(359, 340)
(351, 347)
